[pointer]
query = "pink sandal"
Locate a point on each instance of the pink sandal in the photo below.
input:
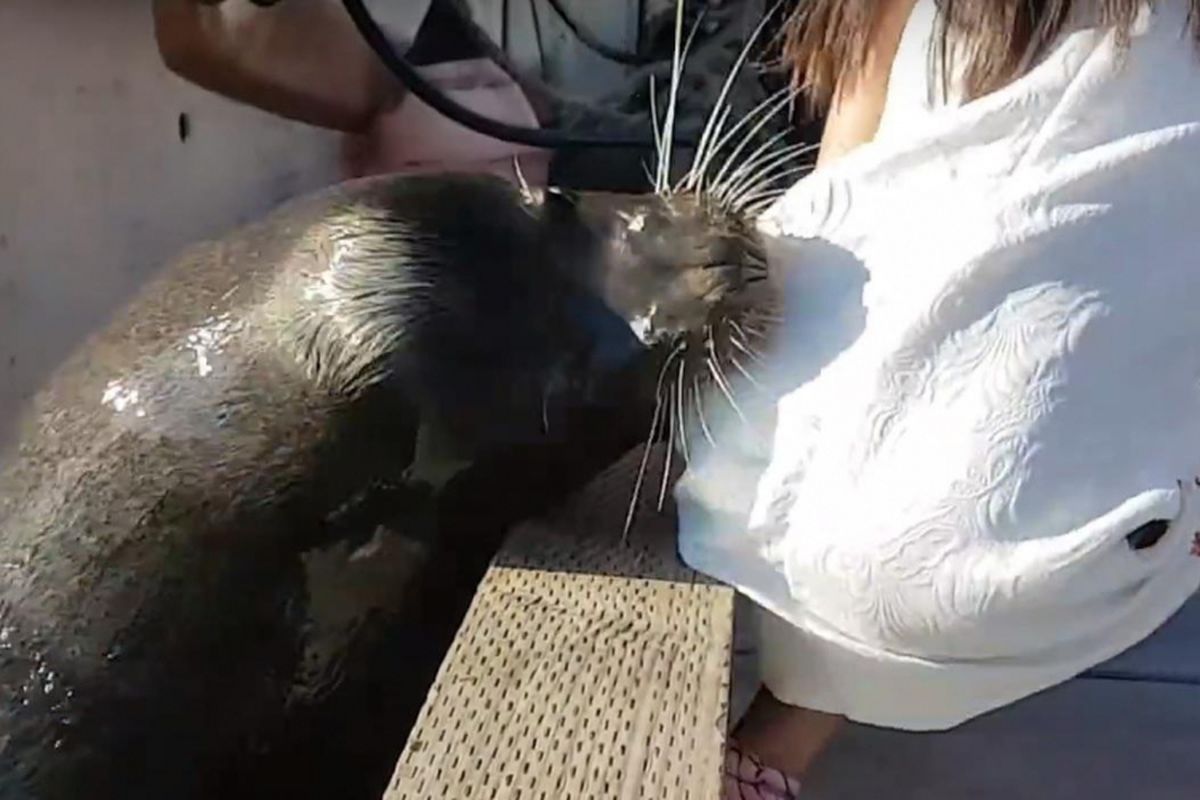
(747, 778)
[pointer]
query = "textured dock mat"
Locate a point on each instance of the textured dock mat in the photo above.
(586, 667)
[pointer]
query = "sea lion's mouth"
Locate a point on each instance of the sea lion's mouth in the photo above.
(644, 330)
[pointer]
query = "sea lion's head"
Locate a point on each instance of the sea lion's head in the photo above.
(672, 268)
(686, 277)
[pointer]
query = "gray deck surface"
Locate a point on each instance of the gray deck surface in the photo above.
(1088, 740)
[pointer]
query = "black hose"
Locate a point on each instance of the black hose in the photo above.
(537, 37)
(504, 26)
(408, 75)
(593, 43)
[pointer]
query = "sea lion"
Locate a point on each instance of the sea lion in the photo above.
(293, 396)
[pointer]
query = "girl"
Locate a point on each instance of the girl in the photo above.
(983, 469)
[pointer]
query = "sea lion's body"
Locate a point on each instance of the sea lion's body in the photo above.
(156, 620)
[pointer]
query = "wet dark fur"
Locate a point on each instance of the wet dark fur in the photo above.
(262, 398)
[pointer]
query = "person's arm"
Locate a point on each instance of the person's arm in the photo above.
(857, 107)
(301, 59)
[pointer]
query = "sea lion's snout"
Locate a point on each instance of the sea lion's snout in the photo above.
(682, 300)
(670, 267)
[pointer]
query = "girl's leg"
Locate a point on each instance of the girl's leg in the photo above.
(773, 747)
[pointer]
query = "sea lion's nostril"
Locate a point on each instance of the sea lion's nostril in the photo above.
(727, 275)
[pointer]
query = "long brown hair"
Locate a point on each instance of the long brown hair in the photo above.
(826, 40)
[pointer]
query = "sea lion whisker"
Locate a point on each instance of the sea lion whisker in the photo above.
(658, 137)
(725, 178)
(737, 328)
(745, 324)
(719, 379)
(670, 422)
(766, 150)
(698, 399)
(770, 184)
(666, 365)
(765, 108)
(678, 57)
(753, 352)
(664, 154)
(721, 109)
(771, 157)
(758, 313)
(737, 364)
(762, 187)
(756, 209)
(757, 197)
(681, 405)
(754, 331)
(763, 167)
(694, 179)
(714, 356)
(731, 159)
(641, 473)
(654, 427)
(742, 343)
(757, 201)
(666, 475)
(766, 177)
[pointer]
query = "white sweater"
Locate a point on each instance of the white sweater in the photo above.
(989, 375)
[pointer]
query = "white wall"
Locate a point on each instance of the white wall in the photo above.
(96, 188)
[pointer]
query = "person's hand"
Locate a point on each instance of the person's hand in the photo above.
(300, 59)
